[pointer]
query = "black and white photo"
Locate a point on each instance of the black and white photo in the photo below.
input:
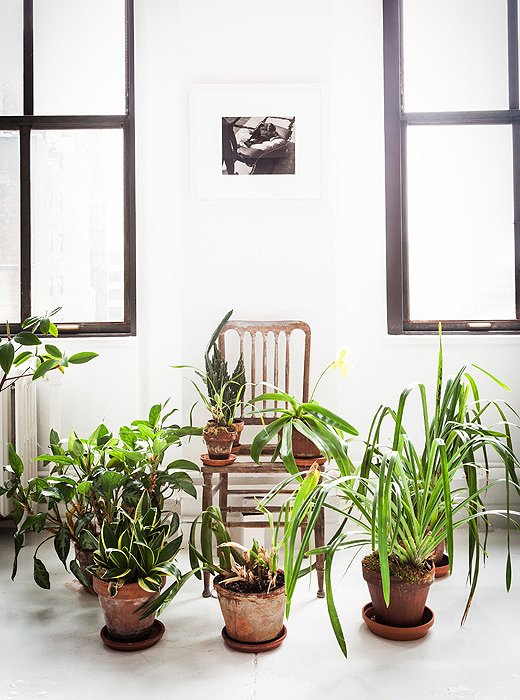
(258, 146)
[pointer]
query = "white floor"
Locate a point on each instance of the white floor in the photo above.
(50, 645)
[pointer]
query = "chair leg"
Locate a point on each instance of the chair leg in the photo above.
(319, 540)
(223, 497)
(206, 502)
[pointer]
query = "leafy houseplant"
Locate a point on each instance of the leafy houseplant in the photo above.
(90, 481)
(305, 430)
(250, 586)
(24, 350)
(133, 556)
(219, 381)
(405, 504)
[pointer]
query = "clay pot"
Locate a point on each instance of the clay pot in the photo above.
(407, 599)
(302, 447)
(121, 611)
(438, 553)
(238, 425)
(252, 617)
(219, 441)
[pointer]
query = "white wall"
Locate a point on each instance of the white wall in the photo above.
(323, 262)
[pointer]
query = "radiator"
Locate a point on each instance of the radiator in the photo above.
(18, 425)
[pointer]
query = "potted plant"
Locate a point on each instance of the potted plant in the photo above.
(218, 379)
(250, 585)
(306, 430)
(133, 557)
(25, 350)
(403, 502)
(90, 481)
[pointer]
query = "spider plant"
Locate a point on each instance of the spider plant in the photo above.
(403, 500)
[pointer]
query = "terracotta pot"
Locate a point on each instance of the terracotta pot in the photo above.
(407, 599)
(303, 448)
(121, 611)
(84, 558)
(219, 441)
(252, 617)
(438, 553)
(238, 425)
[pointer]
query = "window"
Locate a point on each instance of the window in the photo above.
(452, 149)
(67, 229)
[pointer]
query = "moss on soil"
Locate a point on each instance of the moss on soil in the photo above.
(402, 570)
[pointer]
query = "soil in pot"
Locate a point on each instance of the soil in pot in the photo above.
(409, 589)
(252, 617)
(219, 440)
(121, 612)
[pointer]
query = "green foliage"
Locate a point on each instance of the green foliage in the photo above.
(91, 480)
(220, 392)
(322, 427)
(256, 566)
(219, 383)
(138, 549)
(14, 352)
(402, 500)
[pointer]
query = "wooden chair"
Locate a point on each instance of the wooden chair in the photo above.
(265, 363)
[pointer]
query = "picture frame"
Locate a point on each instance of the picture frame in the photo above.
(289, 162)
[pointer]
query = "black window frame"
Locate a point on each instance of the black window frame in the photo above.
(23, 124)
(396, 122)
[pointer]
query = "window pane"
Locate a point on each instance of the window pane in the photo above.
(79, 57)
(455, 55)
(460, 223)
(77, 223)
(11, 57)
(9, 226)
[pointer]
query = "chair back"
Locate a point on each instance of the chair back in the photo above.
(275, 353)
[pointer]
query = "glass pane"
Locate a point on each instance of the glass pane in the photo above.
(77, 223)
(11, 57)
(79, 57)
(455, 55)
(9, 226)
(460, 223)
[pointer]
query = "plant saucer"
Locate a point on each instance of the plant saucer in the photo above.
(254, 647)
(397, 634)
(207, 462)
(442, 569)
(154, 636)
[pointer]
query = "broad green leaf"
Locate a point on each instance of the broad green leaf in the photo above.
(41, 575)
(27, 338)
(62, 543)
(154, 414)
(44, 367)
(53, 351)
(6, 356)
(22, 357)
(14, 460)
(81, 357)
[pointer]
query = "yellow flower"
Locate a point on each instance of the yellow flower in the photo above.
(342, 363)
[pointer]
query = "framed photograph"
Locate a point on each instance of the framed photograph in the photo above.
(256, 141)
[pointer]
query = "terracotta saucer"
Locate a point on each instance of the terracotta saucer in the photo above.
(254, 647)
(156, 634)
(207, 462)
(442, 569)
(305, 463)
(397, 634)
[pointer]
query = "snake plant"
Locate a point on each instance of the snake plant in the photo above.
(138, 549)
